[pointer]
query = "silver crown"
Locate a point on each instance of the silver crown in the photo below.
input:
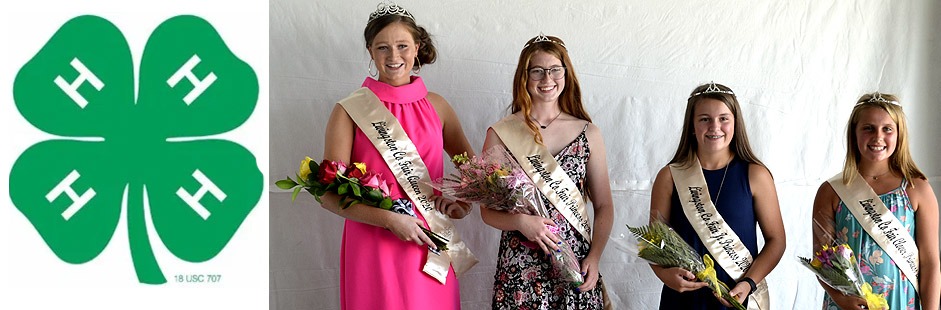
(713, 88)
(543, 38)
(388, 8)
(877, 97)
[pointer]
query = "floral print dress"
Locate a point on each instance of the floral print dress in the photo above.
(524, 279)
(878, 268)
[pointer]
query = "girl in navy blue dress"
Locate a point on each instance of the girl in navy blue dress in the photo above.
(741, 188)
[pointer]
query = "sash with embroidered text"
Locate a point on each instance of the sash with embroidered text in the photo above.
(545, 172)
(716, 235)
(880, 223)
(401, 155)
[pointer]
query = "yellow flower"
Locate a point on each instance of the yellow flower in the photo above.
(361, 167)
(816, 263)
(305, 168)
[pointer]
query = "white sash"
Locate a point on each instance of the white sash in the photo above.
(545, 172)
(388, 136)
(724, 245)
(880, 223)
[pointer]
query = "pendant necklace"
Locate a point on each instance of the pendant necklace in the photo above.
(547, 124)
(719, 193)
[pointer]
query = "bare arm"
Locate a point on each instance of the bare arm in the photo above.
(339, 141)
(454, 143)
(825, 203)
(926, 237)
(678, 279)
(531, 226)
(599, 187)
(768, 213)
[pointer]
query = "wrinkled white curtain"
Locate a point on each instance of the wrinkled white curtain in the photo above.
(797, 67)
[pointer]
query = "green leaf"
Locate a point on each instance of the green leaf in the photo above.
(97, 45)
(294, 195)
(84, 235)
(386, 204)
(357, 191)
(374, 195)
(286, 183)
(349, 203)
(314, 168)
(345, 187)
(223, 105)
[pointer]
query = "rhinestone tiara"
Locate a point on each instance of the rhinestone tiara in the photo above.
(543, 38)
(713, 88)
(877, 97)
(388, 8)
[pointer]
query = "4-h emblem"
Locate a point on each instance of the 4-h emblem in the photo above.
(134, 142)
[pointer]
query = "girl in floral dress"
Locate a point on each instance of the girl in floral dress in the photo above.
(547, 100)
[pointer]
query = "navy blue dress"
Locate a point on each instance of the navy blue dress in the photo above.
(737, 208)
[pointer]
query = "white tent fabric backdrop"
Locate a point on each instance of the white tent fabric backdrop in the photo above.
(797, 67)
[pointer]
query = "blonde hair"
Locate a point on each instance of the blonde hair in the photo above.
(740, 147)
(570, 101)
(901, 160)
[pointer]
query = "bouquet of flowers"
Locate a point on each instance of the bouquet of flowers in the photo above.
(496, 181)
(836, 266)
(354, 184)
(661, 245)
(493, 179)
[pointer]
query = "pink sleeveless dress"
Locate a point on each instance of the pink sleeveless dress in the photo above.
(377, 269)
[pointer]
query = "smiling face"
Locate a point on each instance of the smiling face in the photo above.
(394, 50)
(546, 89)
(714, 125)
(876, 135)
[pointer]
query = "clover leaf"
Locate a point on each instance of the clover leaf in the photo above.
(142, 148)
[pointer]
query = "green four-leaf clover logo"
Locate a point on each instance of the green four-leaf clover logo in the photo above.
(139, 149)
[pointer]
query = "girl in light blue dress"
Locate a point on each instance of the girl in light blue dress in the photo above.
(877, 150)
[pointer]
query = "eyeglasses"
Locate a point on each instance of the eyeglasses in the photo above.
(555, 73)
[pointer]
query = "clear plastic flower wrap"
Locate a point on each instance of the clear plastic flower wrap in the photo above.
(496, 181)
(836, 265)
(492, 179)
(661, 245)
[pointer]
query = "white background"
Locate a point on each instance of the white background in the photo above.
(31, 276)
(797, 66)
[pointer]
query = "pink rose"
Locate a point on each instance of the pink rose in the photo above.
(384, 187)
(341, 167)
(370, 180)
(376, 181)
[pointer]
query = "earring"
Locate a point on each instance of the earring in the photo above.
(369, 68)
(418, 61)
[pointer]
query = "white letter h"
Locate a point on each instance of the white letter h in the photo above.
(193, 200)
(199, 86)
(65, 186)
(83, 75)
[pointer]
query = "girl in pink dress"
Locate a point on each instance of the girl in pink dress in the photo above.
(382, 252)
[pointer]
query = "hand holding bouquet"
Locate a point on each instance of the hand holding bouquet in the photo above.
(496, 181)
(837, 267)
(354, 184)
(661, 245)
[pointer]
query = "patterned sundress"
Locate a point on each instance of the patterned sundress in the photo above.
(878, 268)
(524, 278)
